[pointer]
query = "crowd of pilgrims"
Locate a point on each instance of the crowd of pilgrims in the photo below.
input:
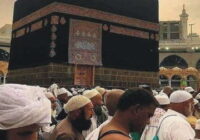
(56, 113)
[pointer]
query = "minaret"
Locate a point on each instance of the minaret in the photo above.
(184, 19)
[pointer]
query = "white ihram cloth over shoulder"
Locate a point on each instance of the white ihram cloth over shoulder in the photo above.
(150, 130)
(22, 105)
(94, 135)
(175, 127)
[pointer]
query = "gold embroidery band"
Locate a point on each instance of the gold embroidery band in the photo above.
(20, 32)
(129, 32)
(36, 26)
(85, 12)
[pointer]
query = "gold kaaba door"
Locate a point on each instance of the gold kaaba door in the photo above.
(84, 75)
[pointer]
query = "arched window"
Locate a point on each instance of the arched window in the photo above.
(4, 56)
(163, 80)
(198, 65)
(174, 61)
(192, 81)
(176, 79)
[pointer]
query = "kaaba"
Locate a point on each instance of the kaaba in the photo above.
(111, 43)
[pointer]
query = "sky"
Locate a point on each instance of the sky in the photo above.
(168, 10)
(171, 9)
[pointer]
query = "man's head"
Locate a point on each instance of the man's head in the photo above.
(80, 110)
(94, 96)
(167, 90)
(182, 102)
(101, 90)
(163, 101)
(137, 105)
(24, 112)
(96, 99)
(111, 100)
(190, 90)
(63, 95)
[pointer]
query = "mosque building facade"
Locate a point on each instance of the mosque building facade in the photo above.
(179, 53)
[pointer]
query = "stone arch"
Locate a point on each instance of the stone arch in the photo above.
(174, 61)
(192, 81)
(176, 81)
(198, 64)
(4, 56)
(163, 80)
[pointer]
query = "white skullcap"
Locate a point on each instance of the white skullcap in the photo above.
(75, 103)
(189, 89)
(49, 95)
(162, 99)
(100, 90)
(180, 96)
(196, 101)
(91, 93)
(64, 91)
(197, 96)
(22, 105)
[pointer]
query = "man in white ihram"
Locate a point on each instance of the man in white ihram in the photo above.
(150, 130)
(173, 125)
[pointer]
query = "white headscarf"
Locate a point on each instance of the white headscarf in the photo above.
(22, 105)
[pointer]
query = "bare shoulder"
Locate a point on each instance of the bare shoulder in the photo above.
(115, 137)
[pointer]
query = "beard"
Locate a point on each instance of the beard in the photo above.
(98, 110)
(81, 123)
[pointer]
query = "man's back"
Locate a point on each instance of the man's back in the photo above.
(175, 127)
(150, 130)
(113, 134)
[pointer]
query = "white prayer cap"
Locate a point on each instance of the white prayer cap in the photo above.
(64, 91)
(197, 96)
(189, 89)
(76, 102)
(91, 93)
(49, 95)
(180, 96)
(162, 99)
(22, 105)
(100, 90)
(196, 101)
